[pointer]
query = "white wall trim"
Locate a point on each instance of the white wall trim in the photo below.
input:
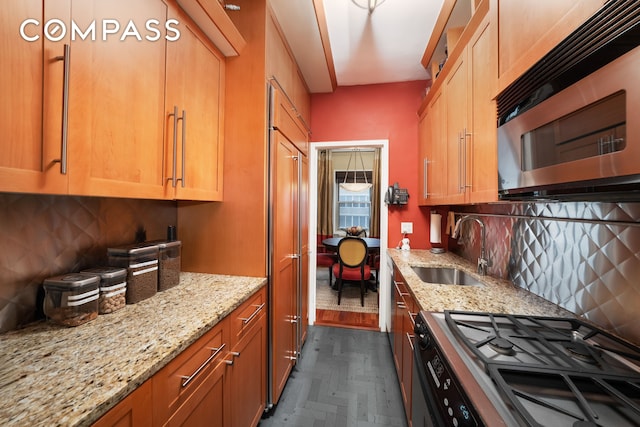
(384, 287)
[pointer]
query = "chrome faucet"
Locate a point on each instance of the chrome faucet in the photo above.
(483, 262)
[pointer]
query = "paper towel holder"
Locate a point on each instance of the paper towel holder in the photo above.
(435, 233)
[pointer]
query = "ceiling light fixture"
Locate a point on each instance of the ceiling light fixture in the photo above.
(355, 186)
(370, 5)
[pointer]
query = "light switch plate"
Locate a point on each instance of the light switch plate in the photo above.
(406, 227)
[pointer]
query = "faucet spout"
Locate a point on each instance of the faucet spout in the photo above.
(483, 262)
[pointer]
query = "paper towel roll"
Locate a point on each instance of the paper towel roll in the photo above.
(435, 233)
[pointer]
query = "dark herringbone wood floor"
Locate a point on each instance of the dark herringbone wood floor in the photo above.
(345, 377)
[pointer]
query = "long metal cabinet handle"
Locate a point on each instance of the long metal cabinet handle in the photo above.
(190, 378)
(65, 58)
(460, 162)
(184, 144)
(467, 184)
(425, 178)
(175, 146)
(254, 314)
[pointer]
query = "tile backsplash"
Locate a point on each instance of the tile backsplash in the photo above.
(43, 236)
(583, 256)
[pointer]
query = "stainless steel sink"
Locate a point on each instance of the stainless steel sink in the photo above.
(446, 276)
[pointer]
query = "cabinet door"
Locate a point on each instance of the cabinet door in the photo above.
(116, 103)
(482, 144)
(132, 411)
(456, 129)
(195, 88)
(191, 379)
(433, 149)
(304, 249)
(407, 354)
(247, 376)
(205, 407)
(424, 154)
(283, 293)
(31, 101)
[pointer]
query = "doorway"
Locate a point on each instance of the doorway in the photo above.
(384, 285)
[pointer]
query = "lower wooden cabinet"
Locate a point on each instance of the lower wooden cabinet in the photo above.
(404, 321)
(133, 410)
(218, 381)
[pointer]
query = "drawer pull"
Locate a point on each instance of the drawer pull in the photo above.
(410, 338)
(246, 320)
(233, 354)
(190, 378)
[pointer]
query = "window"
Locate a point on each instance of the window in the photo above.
(353, 208)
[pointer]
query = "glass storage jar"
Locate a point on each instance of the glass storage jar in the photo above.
(113, 285)
(71, 299)
(141, 262)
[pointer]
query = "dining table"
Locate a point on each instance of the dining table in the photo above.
(373, 247)
(331, 243)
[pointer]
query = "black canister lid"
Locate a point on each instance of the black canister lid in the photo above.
(71, 281)
(107, 272)
(134, 249)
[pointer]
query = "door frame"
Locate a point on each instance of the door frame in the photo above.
(384, 287)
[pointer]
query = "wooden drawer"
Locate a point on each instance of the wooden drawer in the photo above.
(176, 382)
(248, 314)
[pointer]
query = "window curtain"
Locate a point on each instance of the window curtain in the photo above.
(325, 193)
(374, 229)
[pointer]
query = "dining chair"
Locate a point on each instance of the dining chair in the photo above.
(352, 265)
(325, 258)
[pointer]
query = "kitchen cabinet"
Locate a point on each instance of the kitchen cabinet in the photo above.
(135, 410)
(189, 391)
(432, 152)
(116, 105)
(403, 323)
(194, 115)
(521, 45)
(220, 380)
(289, 195)
(87, 116)
(461, 146)
(31, 103)
(247, 372)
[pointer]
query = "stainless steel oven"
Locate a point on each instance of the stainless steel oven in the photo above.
(487, 369)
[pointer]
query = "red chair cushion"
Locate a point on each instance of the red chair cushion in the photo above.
(351, 273)
(326, 260)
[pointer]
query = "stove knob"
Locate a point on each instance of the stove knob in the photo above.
(422, 334)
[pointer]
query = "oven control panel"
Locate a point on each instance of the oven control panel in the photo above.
(445, 393)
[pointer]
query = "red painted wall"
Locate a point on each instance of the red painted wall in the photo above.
(381, 111)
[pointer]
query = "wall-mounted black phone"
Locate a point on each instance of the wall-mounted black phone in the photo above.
(396, 195)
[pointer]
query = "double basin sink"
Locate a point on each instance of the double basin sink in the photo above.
(446, 276)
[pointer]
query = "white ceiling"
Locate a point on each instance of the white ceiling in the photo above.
(382, 47)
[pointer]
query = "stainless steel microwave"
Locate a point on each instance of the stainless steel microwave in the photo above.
(568, 138)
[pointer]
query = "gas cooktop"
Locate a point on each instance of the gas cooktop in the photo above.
(554, 371)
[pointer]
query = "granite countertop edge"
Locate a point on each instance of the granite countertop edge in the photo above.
(53, 375)
(495, 296)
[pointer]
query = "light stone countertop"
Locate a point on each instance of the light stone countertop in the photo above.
(497, 296)
(56, 376)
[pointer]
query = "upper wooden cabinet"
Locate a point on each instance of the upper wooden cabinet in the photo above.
(116, 105)
(459, 139)
(85, 114)
(282, 66)
(530, 29)
(193, 116)
(31, 103)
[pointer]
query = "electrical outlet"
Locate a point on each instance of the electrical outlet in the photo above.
(406, 227)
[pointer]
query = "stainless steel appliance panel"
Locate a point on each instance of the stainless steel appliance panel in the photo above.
(527, 162)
